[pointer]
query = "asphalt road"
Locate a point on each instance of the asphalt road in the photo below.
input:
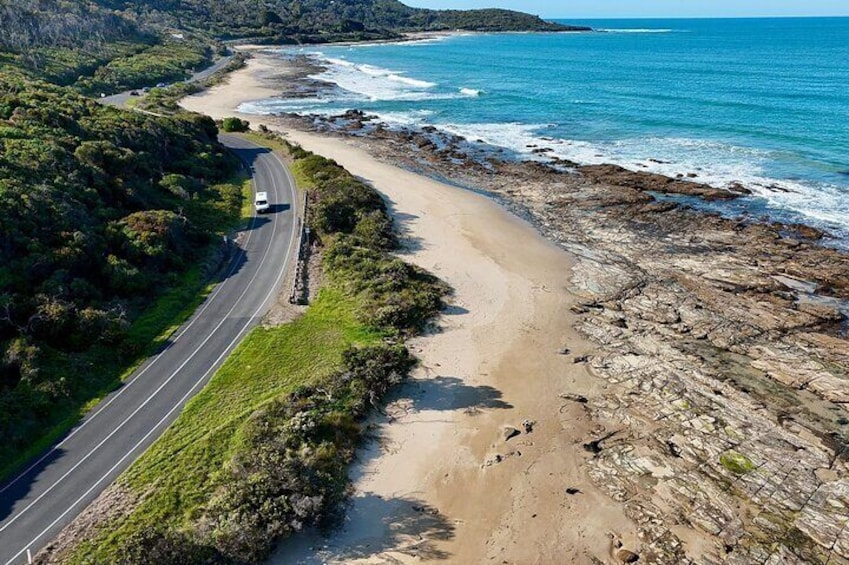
(121, 98)
(37, 504)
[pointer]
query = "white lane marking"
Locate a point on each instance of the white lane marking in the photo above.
(132, 380)
(268, 295)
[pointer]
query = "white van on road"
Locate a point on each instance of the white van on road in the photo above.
(261, 202)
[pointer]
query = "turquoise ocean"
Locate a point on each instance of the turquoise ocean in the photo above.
(763, 102)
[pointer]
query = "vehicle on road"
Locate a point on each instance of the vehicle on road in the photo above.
(161, 85)
(134, 93)
(261, 202)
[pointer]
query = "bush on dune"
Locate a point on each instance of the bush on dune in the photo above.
(235, 125)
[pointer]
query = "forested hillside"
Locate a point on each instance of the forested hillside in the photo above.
(322, 20)
(101, 210)
(92, 47)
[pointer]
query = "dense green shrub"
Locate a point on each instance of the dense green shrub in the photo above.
(351, 220)
(94, 46)
(235, 125)
(291, 471)
(165, 547)
(166, 61)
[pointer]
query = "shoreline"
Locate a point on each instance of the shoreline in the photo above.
(704, 378)
(769, 193)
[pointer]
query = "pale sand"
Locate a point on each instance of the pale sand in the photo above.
(430, 489)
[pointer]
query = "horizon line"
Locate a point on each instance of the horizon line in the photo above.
(765, 17)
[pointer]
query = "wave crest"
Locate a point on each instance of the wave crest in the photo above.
(371, 82)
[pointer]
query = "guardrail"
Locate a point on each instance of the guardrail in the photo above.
(300, 285)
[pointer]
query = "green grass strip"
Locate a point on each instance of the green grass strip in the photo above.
(181, 471)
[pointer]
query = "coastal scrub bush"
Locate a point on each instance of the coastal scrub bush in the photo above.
(160, 61)
(350, 220)
(162, 546)
(394, 294)
(235, 125)
(291, 470)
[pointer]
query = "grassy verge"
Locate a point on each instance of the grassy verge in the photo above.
(227, 206)
(188, 465)
(263, 450)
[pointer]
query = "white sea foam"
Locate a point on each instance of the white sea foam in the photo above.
(406, 119)
(293, 105)
(714, 163)
(373, 83)
(344, 63)
(411, 81)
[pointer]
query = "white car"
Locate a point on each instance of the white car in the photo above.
(261, 202)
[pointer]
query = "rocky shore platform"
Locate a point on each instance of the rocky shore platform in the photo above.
(723, 425)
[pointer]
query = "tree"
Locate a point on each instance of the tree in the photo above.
(235, 125)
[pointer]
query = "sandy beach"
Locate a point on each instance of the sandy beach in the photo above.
(442, 481)
(663, 384)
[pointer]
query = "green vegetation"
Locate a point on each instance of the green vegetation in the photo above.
(171, 60)
(311, 21)
(60, 40)
(351, 219)
(94, 47)
(103, 214)
(263, 450)
(235, 125)
(737, 463)
(494, 20)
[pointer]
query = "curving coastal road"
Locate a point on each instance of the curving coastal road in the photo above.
(38, 503)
